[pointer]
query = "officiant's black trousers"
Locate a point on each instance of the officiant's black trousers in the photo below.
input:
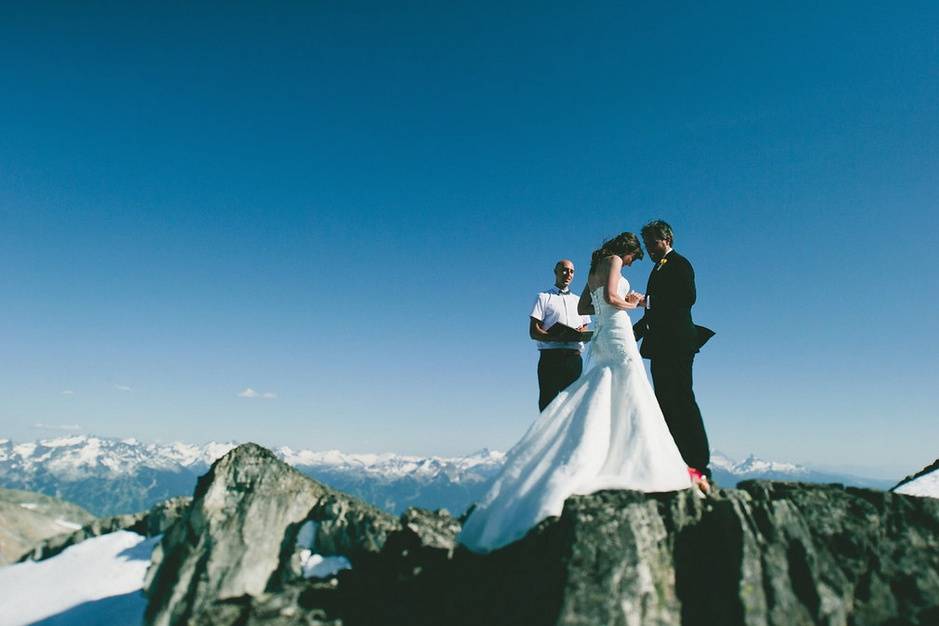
(672, 379)
(556, 370)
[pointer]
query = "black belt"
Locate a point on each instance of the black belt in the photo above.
(560, 351)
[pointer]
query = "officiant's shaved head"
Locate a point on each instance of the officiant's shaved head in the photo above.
(563, 273)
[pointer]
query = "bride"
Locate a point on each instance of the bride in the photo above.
(605, 431)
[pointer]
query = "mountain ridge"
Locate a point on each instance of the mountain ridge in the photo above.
(110, 476)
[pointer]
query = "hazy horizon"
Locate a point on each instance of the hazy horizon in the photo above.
(860, 471)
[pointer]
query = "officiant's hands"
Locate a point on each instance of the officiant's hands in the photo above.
(560, 332)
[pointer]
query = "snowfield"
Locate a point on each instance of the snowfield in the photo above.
(97, 581)
(926, 486)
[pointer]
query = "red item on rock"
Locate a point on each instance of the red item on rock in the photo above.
(699, 480)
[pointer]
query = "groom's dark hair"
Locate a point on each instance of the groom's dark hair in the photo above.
(623, 243)
(658, 229)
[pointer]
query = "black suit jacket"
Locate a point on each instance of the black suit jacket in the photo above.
(667, 329)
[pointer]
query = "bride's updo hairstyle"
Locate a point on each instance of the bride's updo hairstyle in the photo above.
(623, 243)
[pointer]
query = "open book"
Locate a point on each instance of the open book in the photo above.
(561, 332)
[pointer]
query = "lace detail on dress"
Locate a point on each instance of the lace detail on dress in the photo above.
(613, 339)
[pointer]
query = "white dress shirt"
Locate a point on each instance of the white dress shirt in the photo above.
(552, 307)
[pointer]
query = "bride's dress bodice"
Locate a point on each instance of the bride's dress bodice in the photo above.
(605, 431)
(613, 338)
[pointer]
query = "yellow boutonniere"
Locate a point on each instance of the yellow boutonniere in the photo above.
(662, 263)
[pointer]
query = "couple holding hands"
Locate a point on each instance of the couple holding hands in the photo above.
(603, 426)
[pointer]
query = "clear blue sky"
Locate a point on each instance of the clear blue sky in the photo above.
(350, 206)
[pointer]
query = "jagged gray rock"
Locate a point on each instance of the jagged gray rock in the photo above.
(766, 554)
(148, 523)
(241, 534)
(431, 529)
(283, 608)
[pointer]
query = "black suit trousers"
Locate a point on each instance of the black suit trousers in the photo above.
(556, 370)
(672, 378)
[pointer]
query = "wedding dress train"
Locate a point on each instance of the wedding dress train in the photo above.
(605, 431)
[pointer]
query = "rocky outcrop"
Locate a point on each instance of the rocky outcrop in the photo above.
(765, 554)
(251, 518)
(147, 523)
(27, 518)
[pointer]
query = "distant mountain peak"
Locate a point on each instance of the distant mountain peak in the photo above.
(753, 464)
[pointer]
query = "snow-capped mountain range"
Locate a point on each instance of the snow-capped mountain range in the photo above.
(728, 473)
(81, 456)
(109, 476)
(753, 465)
(389, 466)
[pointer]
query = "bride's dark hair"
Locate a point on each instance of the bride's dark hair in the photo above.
(623, 243)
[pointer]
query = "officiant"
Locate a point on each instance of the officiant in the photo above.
(554, 323)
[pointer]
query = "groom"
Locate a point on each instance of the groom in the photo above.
(670, 340)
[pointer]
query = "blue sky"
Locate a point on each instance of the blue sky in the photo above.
(350, 206)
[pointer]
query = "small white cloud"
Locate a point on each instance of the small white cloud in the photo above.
(57, 426)
(248, 392)
(123, 388)
(68, 392)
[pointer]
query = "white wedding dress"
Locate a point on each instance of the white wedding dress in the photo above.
(605, 431)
